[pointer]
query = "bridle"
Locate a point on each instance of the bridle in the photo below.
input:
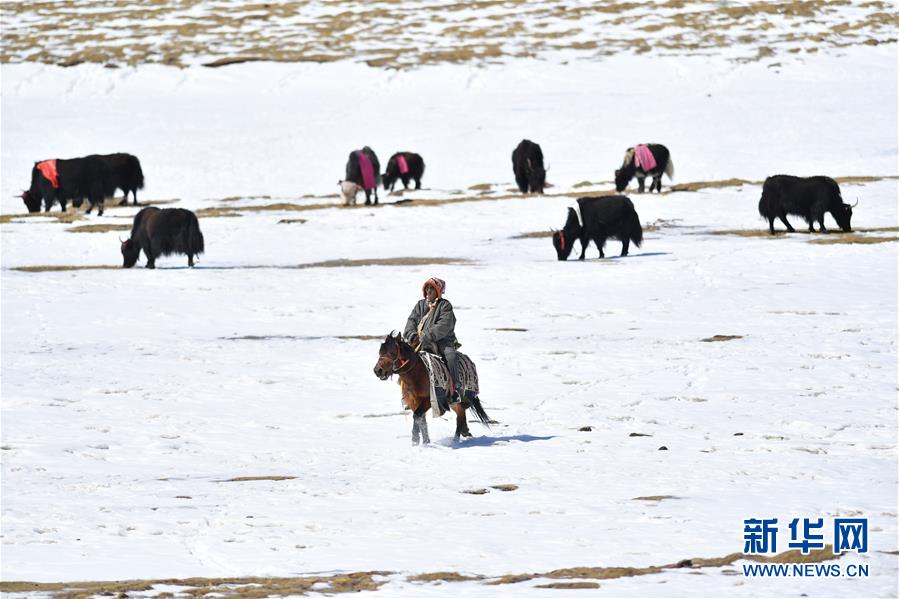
(399, 358)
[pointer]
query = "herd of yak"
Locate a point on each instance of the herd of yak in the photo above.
(162, 232)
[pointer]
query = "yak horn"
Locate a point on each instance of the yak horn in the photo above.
(856, 202)
(547, 166)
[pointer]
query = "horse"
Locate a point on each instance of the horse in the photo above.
(398, 357)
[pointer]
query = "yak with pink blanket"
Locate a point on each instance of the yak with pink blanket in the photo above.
(363, 172)
(642, 160)
(405, 166)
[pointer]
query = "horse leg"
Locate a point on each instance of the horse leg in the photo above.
(461, 423)
(416, 438)
(423, 425)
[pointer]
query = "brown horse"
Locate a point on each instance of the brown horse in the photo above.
(398, 357)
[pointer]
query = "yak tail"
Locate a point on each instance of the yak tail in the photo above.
(138, 173)
(669, 169)
(195, 242)
(635, 229)
(765, 209)
(476, 407)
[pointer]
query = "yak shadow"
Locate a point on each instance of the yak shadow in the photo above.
(487, 441)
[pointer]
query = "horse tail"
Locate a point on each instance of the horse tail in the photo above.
(476, 407)
(669, 168)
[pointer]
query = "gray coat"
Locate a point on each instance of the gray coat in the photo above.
(439, 332)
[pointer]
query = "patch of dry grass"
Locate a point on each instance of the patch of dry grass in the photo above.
(442, 577)
(716, 338)
(181, 32)
(250, 587)
(98, 228)
(654, 498)
(244, 479)
(853, 238)
(63, 268)
(697, 185)
(533, 235)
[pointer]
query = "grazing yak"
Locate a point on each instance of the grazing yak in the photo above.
(807, 197)
(527, 164)
(162, 233)
(404, 166)
(363, 169)
(126, 174)
(60, 180)
(643, 160)
(598, 219)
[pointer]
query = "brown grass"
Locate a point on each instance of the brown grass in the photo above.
(506, 488)
(654, 498)
(832, 236)
(533, 235)
(408, 261)
(853, 238)
(99, 228)
(250, 587)
(697, 185)
(244, 479)
(63, 268)
(715, 338)
(569, 585)
(442, 577)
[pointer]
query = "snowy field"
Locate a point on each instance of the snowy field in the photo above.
(225, 421)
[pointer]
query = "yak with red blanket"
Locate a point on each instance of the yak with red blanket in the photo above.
(59, 180)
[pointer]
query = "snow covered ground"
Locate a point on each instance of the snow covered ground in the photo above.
(130, 398)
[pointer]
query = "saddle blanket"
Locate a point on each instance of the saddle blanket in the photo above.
(440, 381)
(48, 170)
(401, 163)
(643, 158)
(367, 171)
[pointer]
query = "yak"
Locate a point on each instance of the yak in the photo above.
(807, 197)
(61, 180)
(363, 169)
(598, 219)
(162, 233)
(404, 166)
(126, 174)
(643, 160)
(527, 164)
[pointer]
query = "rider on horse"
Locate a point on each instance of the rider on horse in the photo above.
(431, 327)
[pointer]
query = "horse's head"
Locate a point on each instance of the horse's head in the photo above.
(390, 356)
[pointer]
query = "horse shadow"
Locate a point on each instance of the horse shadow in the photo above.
(487, 441)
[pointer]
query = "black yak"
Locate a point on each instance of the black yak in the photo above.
(807, 197)
(643, 160)
(527, 164)
(363, 169)
(162, 233)
(599, 219)
(126, 174)
(61, 180)
(404, 166)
